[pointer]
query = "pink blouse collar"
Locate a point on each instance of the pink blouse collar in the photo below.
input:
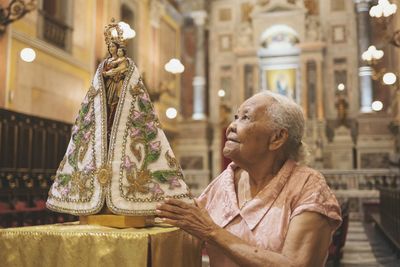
(226, 209)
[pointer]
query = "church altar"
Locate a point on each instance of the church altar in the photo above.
(72, 244)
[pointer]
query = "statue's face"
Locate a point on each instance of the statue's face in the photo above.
(120, 52)
(112, 48)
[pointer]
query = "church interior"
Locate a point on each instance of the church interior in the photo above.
(199, 60)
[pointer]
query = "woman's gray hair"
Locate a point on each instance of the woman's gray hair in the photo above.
(286, 114)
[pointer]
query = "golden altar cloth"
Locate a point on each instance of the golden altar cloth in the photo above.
(72, 245)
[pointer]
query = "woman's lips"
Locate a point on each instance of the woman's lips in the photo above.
(232, 140)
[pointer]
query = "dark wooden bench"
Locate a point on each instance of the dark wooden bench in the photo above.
(339, 237)
(30, 150)
(388, 218)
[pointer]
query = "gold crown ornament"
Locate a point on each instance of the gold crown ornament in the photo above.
(114, 33)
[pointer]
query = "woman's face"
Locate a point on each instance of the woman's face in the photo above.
(112, 48)
(250, 133)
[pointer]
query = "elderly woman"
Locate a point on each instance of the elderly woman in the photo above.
(265, 209)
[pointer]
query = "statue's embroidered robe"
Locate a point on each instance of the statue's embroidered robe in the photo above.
(133, 172)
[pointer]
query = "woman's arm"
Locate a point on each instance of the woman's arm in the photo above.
(306, 242)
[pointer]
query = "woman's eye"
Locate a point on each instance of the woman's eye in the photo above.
(245, 117)
(236, 117)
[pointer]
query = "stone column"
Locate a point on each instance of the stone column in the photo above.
(364, 71)
(304, 86)
(199, 81)
(319, 100)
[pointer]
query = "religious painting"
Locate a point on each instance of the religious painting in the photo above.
(282, 81)
(225, 42)
(339, 34)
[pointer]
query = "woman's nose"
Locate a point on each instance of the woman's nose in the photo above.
(231, 128)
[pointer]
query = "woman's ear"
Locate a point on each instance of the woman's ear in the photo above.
(278, 139)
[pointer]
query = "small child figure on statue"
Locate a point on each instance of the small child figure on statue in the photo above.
(119, 65)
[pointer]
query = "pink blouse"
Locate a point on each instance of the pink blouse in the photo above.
(264, 220)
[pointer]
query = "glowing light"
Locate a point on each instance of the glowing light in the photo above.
(171, 113)
(341, 87)
(221, 93)
(389, 78)
(174, 66)
(383, 8)
(372, 54)
(377, 106)
(127, 31)
(28, 54)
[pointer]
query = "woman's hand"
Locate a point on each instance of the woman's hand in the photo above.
(191, 218)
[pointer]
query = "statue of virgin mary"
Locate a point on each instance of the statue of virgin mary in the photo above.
(118, 155)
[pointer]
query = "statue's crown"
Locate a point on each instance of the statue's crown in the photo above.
(113, 33)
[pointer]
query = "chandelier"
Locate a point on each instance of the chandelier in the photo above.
(15, 11)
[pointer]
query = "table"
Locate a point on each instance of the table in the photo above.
(72, 244)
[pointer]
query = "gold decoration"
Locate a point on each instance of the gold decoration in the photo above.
(104, 175)
(78, 184)
(118, 221)
(82, 151)
(136, 90)
(136, 151)
(165, 246)
(92, 92)
(109, 34)
(140, 184)
(62, 163)
(172, 162)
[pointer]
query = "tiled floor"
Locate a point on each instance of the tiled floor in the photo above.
(366, 247)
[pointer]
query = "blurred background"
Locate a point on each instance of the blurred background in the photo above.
(339, 59)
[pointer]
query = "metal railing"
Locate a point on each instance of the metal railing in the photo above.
(55, 31)
(365, 179)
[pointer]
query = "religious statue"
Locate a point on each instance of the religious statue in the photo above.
(341, 107)
(118, 154)
(311, 6)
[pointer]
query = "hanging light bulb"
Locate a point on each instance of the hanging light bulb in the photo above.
(221, 93)
(383, 8)
(377, 105)
(171, 113)
(174, 66)
(389, 78)
(28, 54)
(341, 87)
(372, 54)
